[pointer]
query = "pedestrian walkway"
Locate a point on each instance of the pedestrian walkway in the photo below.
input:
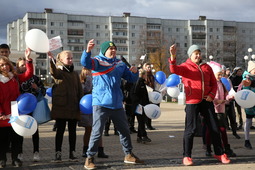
(164, 152)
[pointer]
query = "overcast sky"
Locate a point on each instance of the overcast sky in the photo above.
(230, 10)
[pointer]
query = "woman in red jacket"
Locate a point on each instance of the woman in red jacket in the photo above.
(9, 91)
(200, 88)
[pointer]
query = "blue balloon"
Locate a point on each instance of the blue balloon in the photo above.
(173, 80)
(160, 77)
(26, 103)
(86, 104)
(226, 83)
(49, 92)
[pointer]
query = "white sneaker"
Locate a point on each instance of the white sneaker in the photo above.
(20, 156)
(36, 157)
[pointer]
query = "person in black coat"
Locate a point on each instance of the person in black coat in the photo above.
(140, 98)
(236, 79)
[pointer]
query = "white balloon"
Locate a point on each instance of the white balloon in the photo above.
(245, 98)
(173, 91)
(152, 111)
(24, 125)
(37, 41)
(155, 97)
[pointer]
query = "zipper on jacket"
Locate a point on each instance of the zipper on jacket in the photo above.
(202, 81)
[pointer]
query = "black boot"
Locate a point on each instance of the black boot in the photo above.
(247, 144)
(234, 128)
(101, 153)
(229, 151)
(208, 151)
(84, 151)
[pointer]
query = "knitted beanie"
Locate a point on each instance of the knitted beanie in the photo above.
(251, 66)
(192, 49)
(105, 45)
(216, 67)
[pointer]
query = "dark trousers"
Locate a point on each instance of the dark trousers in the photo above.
(5, 133)
(130, 115)
(35, 139)
(206, 109)
(239, 114)
(231, 115)
(108, 124)
(61, 126)
(141, 125)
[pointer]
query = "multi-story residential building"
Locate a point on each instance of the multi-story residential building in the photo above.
(224, 41)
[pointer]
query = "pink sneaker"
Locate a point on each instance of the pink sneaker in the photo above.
(187, 161)
(223, 158)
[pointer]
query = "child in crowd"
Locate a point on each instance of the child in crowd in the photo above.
(66, 95)
(249, 83)
(87, 119)
(219, 104)
(5, 50)
(9, 90)
(35, 86)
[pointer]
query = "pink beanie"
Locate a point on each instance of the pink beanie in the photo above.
(216, 67)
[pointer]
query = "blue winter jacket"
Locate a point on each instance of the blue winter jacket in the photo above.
(107, 74)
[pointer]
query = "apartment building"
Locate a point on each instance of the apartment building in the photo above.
(224, 41)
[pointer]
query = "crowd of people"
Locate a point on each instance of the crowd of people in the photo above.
(118, 89)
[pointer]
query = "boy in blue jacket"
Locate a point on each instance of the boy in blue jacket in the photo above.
(107, 98)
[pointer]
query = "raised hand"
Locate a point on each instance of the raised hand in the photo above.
(27, 53)
(172, 51)
(90, 45)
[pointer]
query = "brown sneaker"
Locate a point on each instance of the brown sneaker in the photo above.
(132, 159)
(89, 163)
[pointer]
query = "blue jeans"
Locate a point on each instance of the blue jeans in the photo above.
(119, 119)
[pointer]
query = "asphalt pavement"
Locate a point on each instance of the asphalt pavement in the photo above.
(164, 152)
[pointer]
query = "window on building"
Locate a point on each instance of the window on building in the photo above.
(87, 26)
(75, 32)
(98, 26)
(106, 26)
(169, 29)
(177, 29)
(211, 29)
(106, 34)
(97, 34)
(61, 24)
(52, 32)
(51, 23)
(133, 27)
(133, 42)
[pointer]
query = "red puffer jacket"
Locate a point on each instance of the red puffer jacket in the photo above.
(199, 80)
